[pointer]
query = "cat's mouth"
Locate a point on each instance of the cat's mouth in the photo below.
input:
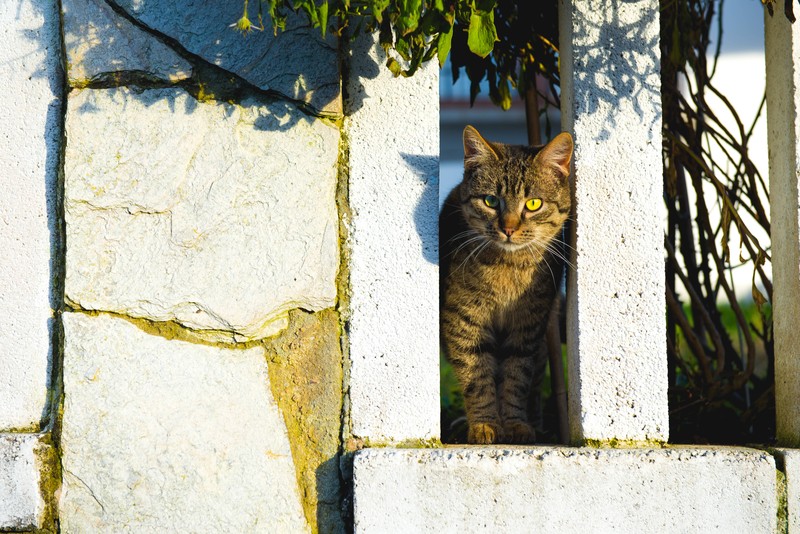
(506, 243)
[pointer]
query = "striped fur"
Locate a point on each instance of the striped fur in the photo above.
(500, 270)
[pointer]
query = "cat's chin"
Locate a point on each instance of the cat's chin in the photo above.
(507, 246)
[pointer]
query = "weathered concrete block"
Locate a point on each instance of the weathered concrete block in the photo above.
(790, 460)
(394, 300)
(305, 368)
(29, 149)
(165, 435)
(564, 490)
(296, 63)
(217, 216)
(98, 42)
(611, 103)
(782, 48)
(21, 503)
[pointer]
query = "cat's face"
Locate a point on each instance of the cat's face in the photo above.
(516, 197)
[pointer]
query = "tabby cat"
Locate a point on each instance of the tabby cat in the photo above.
(500, 271)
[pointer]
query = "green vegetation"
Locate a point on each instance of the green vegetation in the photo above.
(714, 194)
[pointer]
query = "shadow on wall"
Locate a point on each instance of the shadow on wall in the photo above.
(146, 44)
(626, 80)
(45, 40)
(426, 214)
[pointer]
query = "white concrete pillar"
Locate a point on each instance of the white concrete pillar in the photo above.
(783, 123)
(29, 155)
(392, 128)
(616, 333)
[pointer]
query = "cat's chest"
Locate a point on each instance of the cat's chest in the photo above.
(507, 282)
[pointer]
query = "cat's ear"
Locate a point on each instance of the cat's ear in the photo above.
(557, 153)
(476, 148)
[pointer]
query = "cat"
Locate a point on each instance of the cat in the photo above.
(500, 273)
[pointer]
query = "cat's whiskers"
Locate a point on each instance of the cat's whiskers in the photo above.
(535, 247)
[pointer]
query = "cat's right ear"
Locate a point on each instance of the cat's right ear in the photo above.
(476, 148)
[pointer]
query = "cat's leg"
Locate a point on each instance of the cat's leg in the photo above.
(477, 377)
(522, 369)
(476, 370)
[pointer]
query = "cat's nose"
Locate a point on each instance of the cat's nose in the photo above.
(508, 231)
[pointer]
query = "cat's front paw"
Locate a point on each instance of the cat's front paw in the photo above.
(483, 433)
(519, 432)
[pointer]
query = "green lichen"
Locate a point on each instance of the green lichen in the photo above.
(305, 368)
(49, 465)
(614, 443)
(783, 502)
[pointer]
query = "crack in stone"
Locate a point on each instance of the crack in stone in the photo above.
(225, 85)
(89, 489)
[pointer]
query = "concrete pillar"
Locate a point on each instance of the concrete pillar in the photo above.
(29, 158)
(783, 123)
(616, 336)
(392, 128)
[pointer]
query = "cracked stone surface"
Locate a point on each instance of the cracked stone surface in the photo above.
(168, 436)
(20, 502)
(30, 80)
(217, 216)
(297, 63)
(99, 42)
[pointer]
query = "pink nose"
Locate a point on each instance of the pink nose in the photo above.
(509, 231)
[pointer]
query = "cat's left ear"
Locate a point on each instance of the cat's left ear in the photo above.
(557, 153)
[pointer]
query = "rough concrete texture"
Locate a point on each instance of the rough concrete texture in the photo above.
(564, 490)
(21, 505)
(783, 125)
(789, 461)
(163, 435)
(297, 63)
(220, 217)
(393, 131)
(29, 148)
(616, 329)
(98, 43)
(305, 367)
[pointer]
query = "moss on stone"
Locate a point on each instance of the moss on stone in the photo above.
(49, 466)
(305, 368)
(614, 443)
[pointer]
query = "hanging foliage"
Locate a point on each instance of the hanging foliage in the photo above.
(720, 346)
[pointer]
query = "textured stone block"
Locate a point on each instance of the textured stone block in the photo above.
(564, 490)
(297, 63)
(217, 216)
(394, 297)
(29, 157)
(616, 337)
(100, 42)
(165, 435)
(21, 503)
(790, 459)
(782, 48)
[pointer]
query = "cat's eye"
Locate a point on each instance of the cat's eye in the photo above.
(534, 204)
(491, 201)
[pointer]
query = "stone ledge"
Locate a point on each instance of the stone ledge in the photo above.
(559, 489)
(21, 504)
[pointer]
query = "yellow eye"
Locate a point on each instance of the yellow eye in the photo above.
(491, 201)
(534, 204)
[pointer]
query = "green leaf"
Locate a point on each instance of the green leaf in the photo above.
(402, 48)
(408, 19)
(323, 16)
(481, 34)
(443, 43)
(394, 66)
(378, 7)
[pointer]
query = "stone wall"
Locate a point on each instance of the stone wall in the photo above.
(170, 305)
(218, 300)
